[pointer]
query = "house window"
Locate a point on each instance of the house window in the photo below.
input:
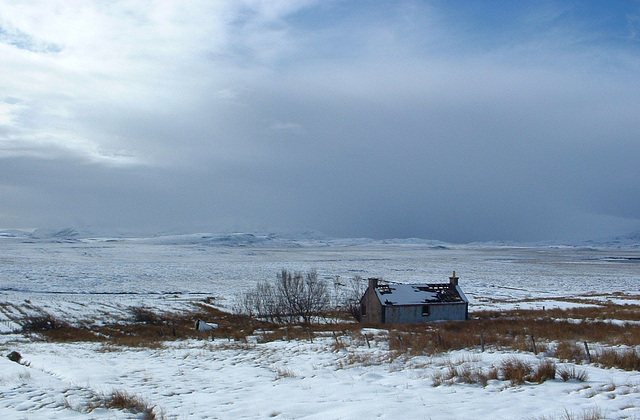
(425, 310)
(364, 310)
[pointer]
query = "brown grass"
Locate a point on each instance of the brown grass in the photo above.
(146, 328)
(625, 359)
(567, 373)
(284, 373)
(515, 370)
(121, 400)
(145, 316)
(512, 330)
(546, 370)
(570, 351)
(473, 375)
(42, 322)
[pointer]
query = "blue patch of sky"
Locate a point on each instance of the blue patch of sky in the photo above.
(347, 28)
(499, 21)
(24, 41)
(483, 24)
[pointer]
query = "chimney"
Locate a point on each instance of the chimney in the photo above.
(373, 283)
(453, 280)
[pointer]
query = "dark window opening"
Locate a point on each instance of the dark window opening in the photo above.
(425, 310)
(364, 310)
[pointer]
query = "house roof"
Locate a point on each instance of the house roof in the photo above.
(419, 294)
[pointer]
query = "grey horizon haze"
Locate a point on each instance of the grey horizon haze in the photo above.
(457, 122)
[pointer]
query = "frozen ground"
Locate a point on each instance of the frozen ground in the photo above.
(90, 279)
(289, 380)
(71, 277)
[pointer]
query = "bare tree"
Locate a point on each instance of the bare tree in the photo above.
(293, 297)
(355, 289)
(315, 297)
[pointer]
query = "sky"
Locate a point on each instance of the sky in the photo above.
(451, 120)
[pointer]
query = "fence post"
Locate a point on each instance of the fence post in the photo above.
(586, 347)
(482, 341)
(535, 349)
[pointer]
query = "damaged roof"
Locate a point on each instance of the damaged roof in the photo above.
(419, 294)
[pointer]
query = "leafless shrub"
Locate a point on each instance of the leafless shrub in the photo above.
(44, 322)
(515, 370)
(350, 300)
(145, 316)
(567, 373)
(292, 298)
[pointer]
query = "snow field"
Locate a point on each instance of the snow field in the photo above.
(88, 283)
(295, 379)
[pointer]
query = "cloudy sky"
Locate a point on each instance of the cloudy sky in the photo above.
(461, 121)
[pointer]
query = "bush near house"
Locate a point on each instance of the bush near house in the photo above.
(291, 298)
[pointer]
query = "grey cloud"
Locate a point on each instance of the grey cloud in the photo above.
(514, 143)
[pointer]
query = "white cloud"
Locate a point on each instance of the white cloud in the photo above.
(133, 56)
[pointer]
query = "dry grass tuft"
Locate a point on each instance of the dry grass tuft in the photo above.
(284, 373)
(590, 414)
(515, 370)
(446, 377)
(546, 370)
(570, 351)
(567, 373)
(626, 359)
(476, 375)
(363, 359)
(121, 400)
(594, 413)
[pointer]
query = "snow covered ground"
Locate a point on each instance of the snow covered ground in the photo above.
(92, 278)
(296, 379)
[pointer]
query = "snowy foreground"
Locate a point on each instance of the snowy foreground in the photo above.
(294, 379)
(91, 280)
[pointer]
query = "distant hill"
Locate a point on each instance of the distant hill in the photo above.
(279, 240)
(628, 240)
